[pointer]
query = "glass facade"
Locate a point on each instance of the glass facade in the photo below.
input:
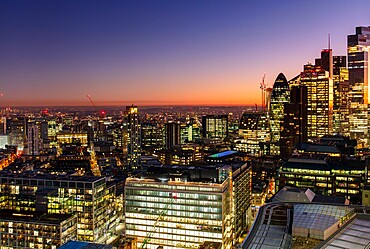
(90, 199)
(254, 131)
(358, 60)
(320, 101)
(188, 213)
(215, 126)
(280, 96)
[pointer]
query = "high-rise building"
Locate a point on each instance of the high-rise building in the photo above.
(215, 126)
(326, 61)
(341, 90)
(358, 67)
(294, 128)
(33, 139)
(17, 131)
(280, 96)
(320, 101)
(133, 138)
(171, 134)
(151, 136)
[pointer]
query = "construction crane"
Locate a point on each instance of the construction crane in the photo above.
(263, 87)
(156, 223)
(102, 113)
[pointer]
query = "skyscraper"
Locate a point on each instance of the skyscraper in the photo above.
(133, 137)
(358, 60)
(294, 128)
(320, 101)
(341, 89)
(280, 96)
(33, 139)
(171, 134)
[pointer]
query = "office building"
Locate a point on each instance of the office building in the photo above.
(280, 96)
(151, 136)
(92, 199)
(320, 101)
(254, 133)
(358, 60)
(215, 126)
(172, 134)
(33, 139)
(326, 175)
(341, 102)
(17, 131)
(186, 206)
(294, 128)
(34, 230)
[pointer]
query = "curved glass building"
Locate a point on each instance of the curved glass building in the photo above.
(280, 96)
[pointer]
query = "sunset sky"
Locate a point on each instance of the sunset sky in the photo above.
(175, 52)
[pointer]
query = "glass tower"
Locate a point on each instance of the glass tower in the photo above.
(280, 96)
(320, 101)
(358, 60)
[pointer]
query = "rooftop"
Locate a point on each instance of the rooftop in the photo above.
(83, 245)
(46, 176)
(336, 226)
(33, 217)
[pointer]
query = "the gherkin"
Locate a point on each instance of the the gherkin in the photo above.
(280, 96)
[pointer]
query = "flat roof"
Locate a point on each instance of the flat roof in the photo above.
(33, 217)
(84, 245)
(223, 154)
(48, 176)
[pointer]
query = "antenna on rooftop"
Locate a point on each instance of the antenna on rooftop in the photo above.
(329, 41)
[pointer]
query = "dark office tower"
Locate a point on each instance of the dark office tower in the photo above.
(280, 96)
(358, 62)
(44, 130)
(294, 129)
(320, 101)
(215, 126)
(171, 134)
(326, 61)
(33, 139)
(133, 137)
(341, 89)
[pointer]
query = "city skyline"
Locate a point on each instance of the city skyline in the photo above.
(162, 53)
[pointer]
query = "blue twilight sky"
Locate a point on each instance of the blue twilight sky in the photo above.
(162, 52)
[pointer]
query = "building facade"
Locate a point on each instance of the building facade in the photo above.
(31, 230)
(179, 207)
(133, 138)
(215, 126)
(320, 101)
(90, 198)
(326, 175)
(358, 68)
(280, 96)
